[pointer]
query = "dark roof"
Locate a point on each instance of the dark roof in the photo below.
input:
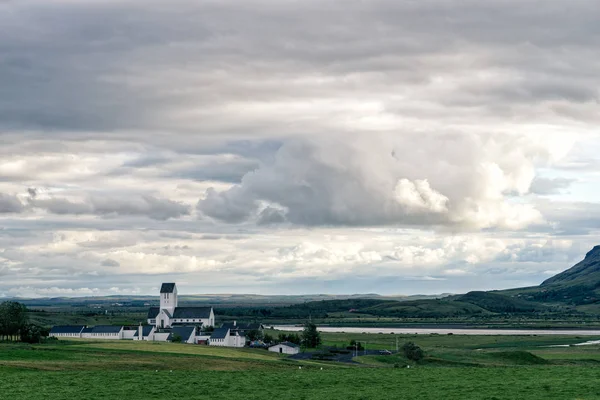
(153, 312)
(288, 344)
(243, 327)
(87, 330)
(167, 312)
(167, 287)
(106, 329)
(192, 312)
(67, 329)
(146, 329)
(183, 331)
(219, 333)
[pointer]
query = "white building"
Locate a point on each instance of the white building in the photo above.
(169, 314)
(145, 332)
(226, 337)
(285, 348)
(103, 332)
(68, 331)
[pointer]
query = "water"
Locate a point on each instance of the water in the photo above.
(445, 331)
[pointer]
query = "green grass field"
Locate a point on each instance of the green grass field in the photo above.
(455, 367)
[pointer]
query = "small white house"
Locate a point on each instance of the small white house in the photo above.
(285, 348)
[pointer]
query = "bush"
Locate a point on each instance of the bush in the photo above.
(176, 339)
(412, 351)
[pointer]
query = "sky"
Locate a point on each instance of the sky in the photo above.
(296, 147)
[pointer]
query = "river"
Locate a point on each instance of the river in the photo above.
(445, 331)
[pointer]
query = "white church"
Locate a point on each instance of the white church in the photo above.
(194, 325)
(169, 314)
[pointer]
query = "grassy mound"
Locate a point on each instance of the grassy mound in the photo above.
(518, 357)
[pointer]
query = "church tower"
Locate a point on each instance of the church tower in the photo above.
(168, 297)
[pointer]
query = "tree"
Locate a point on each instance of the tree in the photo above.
(13, 319)
(310, 335)
(268, 338)
(254, 334)
(412, 351)
(31, 334)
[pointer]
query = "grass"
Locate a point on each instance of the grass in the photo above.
(388, 341)
(178, 348)
(348, 384)
(455, 367)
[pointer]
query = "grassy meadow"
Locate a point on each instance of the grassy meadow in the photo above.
(455, 367)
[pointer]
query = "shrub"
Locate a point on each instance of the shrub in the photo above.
(412, 351)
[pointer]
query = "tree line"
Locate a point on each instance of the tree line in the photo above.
(15, 326)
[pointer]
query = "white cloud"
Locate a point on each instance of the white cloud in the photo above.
(462, 180)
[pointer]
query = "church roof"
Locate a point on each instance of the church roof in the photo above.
(182, 312)
(183, 331)
(167, 288)
(192, 312)
(66, 329)
(153, 312)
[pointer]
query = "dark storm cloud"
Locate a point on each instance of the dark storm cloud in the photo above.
(132, 65)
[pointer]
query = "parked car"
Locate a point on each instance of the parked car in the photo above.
(385, 352)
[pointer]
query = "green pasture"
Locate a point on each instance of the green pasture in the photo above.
(455, 367)
(328, 384)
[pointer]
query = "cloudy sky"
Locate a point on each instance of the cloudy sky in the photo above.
(290, 147)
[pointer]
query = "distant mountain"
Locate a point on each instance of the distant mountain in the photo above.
(577, 286)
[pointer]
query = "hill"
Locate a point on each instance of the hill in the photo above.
(577, 286)
(498, 303)
(586, 272)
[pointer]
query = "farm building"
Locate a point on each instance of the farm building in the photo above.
(73, 331)
(285, 348)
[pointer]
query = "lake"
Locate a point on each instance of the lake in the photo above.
(445, 331)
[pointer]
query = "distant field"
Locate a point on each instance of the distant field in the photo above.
(455, 367)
